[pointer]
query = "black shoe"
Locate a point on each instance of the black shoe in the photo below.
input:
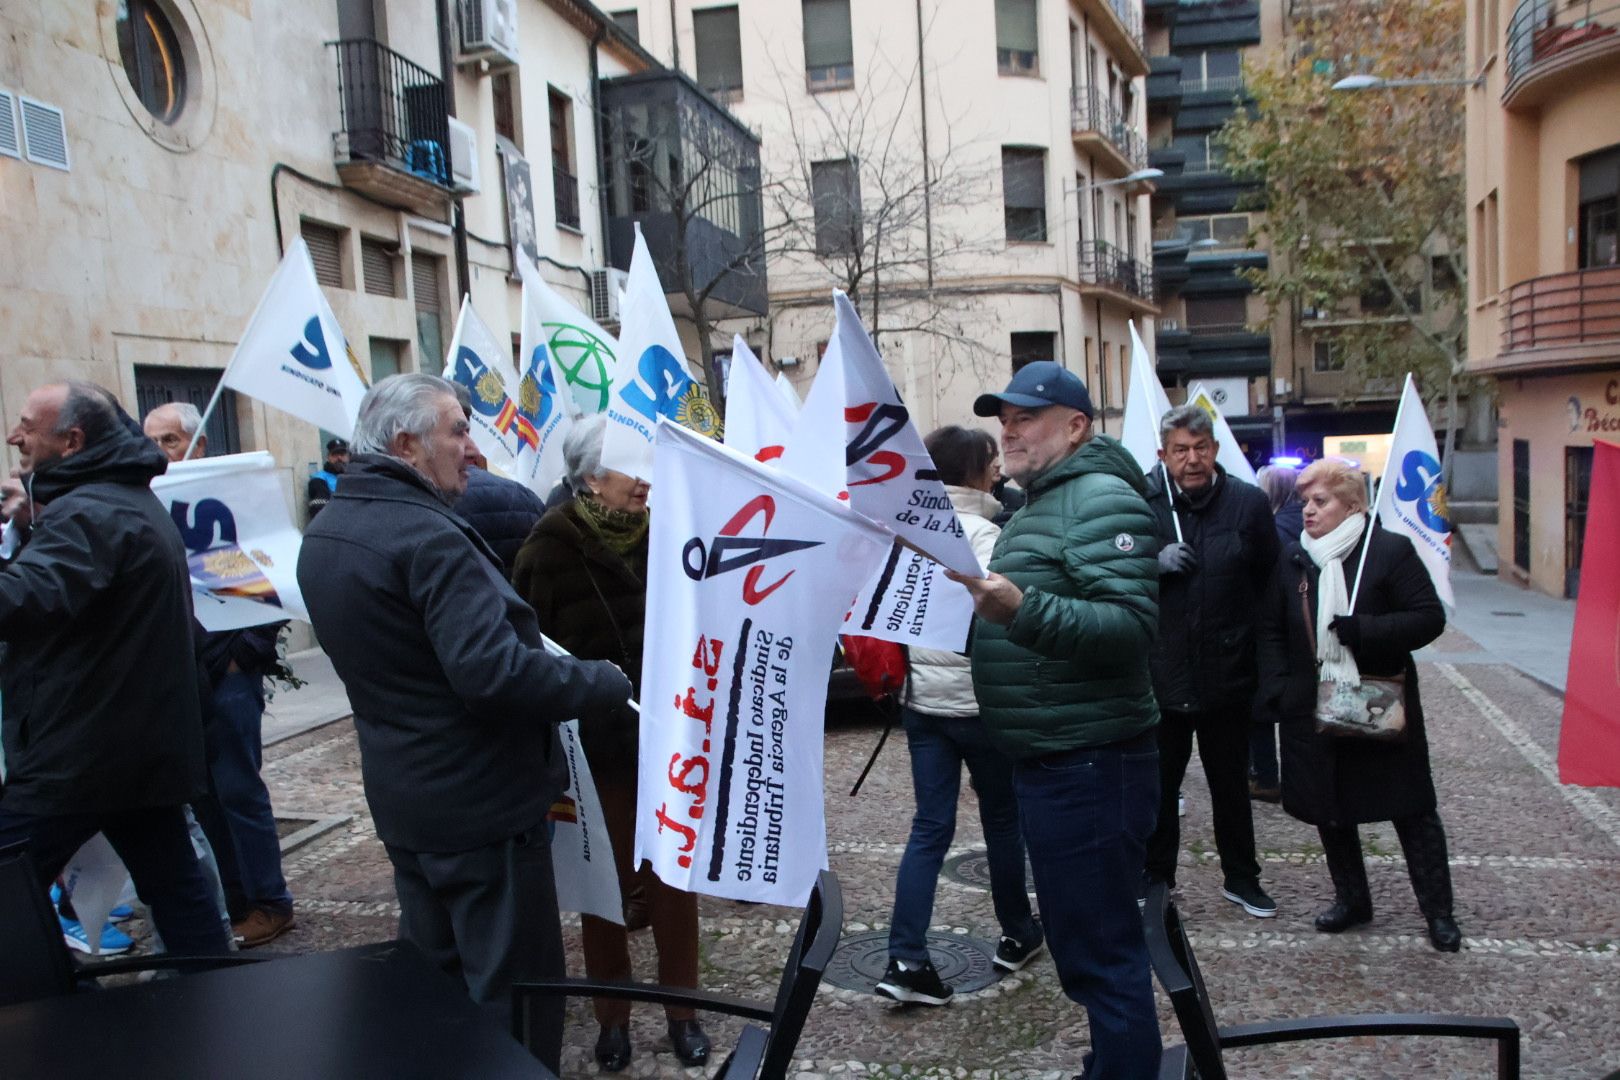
(1251, 897)
(1266, 793)
(1444, 934)
(691, 1045)
(1342, 916)
(1012, 954)
(920, 985)
(613, 1049)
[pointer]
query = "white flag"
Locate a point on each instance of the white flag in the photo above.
(1412, 494)
(544, 415)
(785, 385)
(734, 672)
(293, 354)
(586, 355)
(653, 381)
(581, 852)
(240, 540)
(911, 601)
(480, 363)
(1229, 455)
(758, 418)
(1145, 405)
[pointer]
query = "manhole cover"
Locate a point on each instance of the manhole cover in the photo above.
(966, 963)
(972, 868)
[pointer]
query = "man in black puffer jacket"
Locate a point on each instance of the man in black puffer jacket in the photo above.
(502, 511)
(1213, 571)
(103, 724)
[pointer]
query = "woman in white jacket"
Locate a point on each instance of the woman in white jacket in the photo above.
(941, 719)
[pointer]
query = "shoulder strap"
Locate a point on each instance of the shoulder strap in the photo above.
(1305, 609)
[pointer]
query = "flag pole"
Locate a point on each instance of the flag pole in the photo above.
(1372, 511)
(557, 650)
(219, 390)
(1170, 497)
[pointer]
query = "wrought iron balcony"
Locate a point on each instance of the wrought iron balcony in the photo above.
(1551, 44)
(1106, 266)
(1561, 311)
(393, 142)
(1119, 24)
(1095, 119)
(565, 195)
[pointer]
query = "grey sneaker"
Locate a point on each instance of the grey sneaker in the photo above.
(919, 984)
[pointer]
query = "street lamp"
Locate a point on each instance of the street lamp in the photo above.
(1376, 82)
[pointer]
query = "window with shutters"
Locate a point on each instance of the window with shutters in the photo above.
(565, 183)
(836, 193)
(1017, 39)
(1023, 192)
(829, 47)
(718, 33)
(629, 22)
(503, 89)
(1223, 314)
(426, 274)
(1029, 346)
(325, 243)
(377, 262)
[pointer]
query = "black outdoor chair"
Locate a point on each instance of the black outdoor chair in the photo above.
(1200, 1059)
(34, 960)
(819, 932)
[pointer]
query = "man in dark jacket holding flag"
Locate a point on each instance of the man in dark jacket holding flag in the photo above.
(103, 725)
(1066, 619)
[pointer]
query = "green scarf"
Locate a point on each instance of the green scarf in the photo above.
(621, 530)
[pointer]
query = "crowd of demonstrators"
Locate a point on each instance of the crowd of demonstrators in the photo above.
(455, 699)
(323, 484)
(943, 731)
(102, 714)
(584, 571)
(1280, 483)
(1217, 550)
(1310, 631)
(1060, 670)
(236, 814)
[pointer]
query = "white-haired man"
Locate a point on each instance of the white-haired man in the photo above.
(455, 699)
(172, 427)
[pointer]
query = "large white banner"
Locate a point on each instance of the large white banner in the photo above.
(239, 536)
(293, 355)
(734, 673)
(484, 366)
(759, 418)
(581, 852)
(544, 414)
(1412, 495)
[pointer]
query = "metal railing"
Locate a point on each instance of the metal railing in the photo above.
(1198, 83)
(1542, 29)
(1563, 309)
(1129, 13)
(1092, 111)
(1101, 263)
(391, 110)
(565, 196)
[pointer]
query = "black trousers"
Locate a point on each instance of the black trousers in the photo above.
(1223, 747)
(1423, 842)
(488, 917)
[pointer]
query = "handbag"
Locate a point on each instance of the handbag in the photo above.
(1374, 708)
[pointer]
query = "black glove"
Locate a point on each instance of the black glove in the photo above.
(1348, 627)
(1177, 558)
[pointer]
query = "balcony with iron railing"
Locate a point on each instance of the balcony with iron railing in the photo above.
(1119, 24)
(1554, 45)
(1099, 127)
(1211, 84)
(1109, 271)
(393, 139)
(1560, 320)
(565, 197)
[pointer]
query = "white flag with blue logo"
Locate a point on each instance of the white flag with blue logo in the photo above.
(544, 415)
(294, 356)
(479, 362)
(653, 381)
(1412, 495)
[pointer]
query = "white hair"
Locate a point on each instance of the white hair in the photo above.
(185, 412)
(399, 404)
(582, 450)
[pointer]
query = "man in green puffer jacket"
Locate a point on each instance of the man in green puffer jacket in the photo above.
(1067, 616)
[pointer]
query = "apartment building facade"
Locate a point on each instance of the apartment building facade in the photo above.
(964, 170)
(1543, 191)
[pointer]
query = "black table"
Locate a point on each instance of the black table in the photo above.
(380, 1011)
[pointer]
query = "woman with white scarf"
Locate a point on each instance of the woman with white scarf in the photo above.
(1335, 782)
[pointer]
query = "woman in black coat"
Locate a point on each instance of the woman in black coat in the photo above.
(584, 571)
(1337, 782)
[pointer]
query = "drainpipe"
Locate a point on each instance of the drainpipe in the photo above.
(458, 211)
(674, 39)
(596, 134)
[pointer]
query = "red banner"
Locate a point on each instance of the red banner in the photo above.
(1589, 746)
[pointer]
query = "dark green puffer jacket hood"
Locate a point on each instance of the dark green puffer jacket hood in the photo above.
(1072, 669)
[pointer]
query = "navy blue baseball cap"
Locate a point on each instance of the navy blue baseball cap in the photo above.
(1035, 386)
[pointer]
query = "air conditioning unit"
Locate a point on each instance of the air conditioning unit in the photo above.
(463, 157)
(606, 285)
(489, 32)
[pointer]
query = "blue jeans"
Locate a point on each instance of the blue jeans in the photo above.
(940, 746)
(155, 846)
(248, 849)
(1086, 815)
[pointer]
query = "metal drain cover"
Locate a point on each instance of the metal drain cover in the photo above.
(966, 963)
(972, 868)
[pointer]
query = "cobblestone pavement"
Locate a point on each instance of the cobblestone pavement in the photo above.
(1537, 870)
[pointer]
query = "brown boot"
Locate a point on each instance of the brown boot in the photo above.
(261, 926)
